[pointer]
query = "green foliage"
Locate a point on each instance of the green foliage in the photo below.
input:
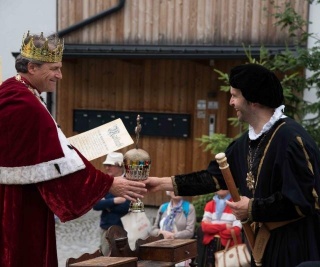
(290, 65)
(199, 202)
(289, 19)
(214, 143)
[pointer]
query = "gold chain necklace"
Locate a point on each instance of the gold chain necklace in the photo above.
(251, 159)
(32, 90)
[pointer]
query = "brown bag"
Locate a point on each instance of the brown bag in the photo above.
(237, 255)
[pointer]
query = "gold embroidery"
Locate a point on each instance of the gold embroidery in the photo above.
(314, 192)
(264, 154)
(32, 90)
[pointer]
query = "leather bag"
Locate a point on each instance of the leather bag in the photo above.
(235, 256)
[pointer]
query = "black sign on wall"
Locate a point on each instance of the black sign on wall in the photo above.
(153, 124)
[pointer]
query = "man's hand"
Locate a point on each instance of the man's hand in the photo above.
(155, 184)
(240, 208)
(130, 190)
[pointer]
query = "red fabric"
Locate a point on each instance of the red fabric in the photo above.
(75, 194)
(26, 128)
(210, 229)
(27, 230)
(27, 226)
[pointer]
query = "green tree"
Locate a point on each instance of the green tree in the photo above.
(293, 64)
(290, 65)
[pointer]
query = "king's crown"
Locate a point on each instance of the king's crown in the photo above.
(38, 47)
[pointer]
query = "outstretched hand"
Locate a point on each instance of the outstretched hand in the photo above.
(128, 189)
(155, 184)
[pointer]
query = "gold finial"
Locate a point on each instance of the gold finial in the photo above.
(137, 130)
(42, 51)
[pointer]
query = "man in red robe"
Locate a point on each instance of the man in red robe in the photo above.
(41, 174)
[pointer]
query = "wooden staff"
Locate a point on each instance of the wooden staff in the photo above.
(224, 167)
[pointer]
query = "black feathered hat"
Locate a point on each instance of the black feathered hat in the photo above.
(257, 84)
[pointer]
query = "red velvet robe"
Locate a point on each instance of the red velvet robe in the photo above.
(40, 175)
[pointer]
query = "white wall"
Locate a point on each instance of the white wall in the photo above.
(314, 11)
(17, 17)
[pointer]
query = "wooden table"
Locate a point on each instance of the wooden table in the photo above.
(169, 250)
(143, 263)
(108, 262)
(104, 261)
(160, 253)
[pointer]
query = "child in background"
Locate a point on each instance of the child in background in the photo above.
(175, 219)
(215, 228)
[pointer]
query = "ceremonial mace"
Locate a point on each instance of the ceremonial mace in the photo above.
(137, 163)
(224, 167)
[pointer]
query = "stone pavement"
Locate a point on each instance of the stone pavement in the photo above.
(78, 236)
(82, 235)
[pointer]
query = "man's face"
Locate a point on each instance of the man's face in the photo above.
(240, 104)
(45, 76)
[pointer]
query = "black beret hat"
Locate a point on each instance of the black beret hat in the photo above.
(257, 84)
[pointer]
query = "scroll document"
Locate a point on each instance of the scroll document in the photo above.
(102, 140)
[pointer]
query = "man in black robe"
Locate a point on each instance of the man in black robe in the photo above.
(275, 165)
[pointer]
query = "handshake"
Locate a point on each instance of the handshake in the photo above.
(132, 190)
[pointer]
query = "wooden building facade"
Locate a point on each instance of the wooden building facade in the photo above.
(157, 58)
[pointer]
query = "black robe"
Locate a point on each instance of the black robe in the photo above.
(287, 168)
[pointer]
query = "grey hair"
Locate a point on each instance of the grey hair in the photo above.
(21, 64)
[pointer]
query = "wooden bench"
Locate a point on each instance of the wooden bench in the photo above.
(120, 250)
(119, 246)
(117, 237)
(103, 261)
(169, 249)
(84, 257)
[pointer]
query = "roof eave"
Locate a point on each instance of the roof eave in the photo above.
(165, 51)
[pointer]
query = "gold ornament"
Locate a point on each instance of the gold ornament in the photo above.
(250, 180)
(45, 52)
(137, 163)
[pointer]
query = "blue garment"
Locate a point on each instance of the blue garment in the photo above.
(220, 204)
(185, 207)
(111, 213)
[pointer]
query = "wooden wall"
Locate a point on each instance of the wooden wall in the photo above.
(177, 21)
(160, 85)
(169, 86)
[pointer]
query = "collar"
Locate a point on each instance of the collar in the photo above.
(25, 81)
(277, 115)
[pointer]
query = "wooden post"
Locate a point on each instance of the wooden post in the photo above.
(224, 167)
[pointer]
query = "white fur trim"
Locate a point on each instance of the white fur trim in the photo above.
(70, 163)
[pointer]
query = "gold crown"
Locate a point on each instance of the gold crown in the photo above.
(42, 53)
